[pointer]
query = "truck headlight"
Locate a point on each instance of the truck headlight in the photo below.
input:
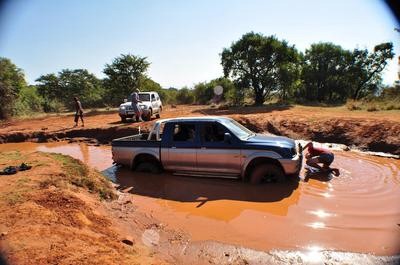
(143, 106)
(122, 108)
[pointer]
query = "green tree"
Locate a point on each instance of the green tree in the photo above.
(325, 72)
(185, 96)
(80, 83)
(259, 63)
(12, 80)
(367, 67)
(61, 88)
(28, 102)
(123, 75)
(204, 92)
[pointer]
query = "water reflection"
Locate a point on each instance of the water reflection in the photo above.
(200, 192)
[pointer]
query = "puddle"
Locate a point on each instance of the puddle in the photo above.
(359, 211)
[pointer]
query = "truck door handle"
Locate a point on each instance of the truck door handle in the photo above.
(173, 147)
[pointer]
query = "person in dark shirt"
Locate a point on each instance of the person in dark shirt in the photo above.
(78, 112)
(317, 155)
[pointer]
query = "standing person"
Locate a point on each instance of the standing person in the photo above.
(78, 112)
(317, 155)
(135, 105)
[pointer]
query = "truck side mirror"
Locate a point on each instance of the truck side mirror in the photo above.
(125, 100)
(227, 138)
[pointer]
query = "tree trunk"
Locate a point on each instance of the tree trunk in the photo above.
(259, 98)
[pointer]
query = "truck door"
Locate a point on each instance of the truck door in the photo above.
(180, 152)
(215, 155)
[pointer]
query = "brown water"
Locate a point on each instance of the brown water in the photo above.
(359, 211)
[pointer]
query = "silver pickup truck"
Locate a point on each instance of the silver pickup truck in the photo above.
(210, 146)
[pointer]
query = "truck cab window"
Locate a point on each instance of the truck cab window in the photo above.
(184, 133)
(213, 132)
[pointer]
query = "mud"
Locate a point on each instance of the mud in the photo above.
(312, 220)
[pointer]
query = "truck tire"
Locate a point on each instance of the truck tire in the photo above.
(148, 116)
(267, 173)
(123, 119)
(159, 113)
(150, 167)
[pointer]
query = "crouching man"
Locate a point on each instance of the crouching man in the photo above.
(317, 155)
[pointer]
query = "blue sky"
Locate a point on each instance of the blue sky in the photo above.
(182, 39)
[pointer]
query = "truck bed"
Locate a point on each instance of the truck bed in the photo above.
(137, 140)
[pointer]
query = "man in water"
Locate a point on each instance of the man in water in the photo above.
(317, 155)
(78, 112)
(135, 105)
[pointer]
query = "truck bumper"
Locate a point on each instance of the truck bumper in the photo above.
(293, 166)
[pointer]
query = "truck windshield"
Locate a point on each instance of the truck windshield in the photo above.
(237, 129)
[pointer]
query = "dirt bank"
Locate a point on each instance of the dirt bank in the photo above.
(374, 131)
(58, 213)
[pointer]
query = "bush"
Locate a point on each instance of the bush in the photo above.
(28, 102)
(353, 105)
(372, 107)
(53, 106)
(185, 96)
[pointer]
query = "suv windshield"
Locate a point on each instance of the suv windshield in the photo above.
(144, 97)
(237, 129)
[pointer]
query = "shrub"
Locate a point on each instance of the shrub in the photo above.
(185, 96)
(353, 105)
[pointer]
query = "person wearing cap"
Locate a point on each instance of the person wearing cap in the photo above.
(318, 155)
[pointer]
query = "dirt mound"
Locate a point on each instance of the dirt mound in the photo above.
(61, 222)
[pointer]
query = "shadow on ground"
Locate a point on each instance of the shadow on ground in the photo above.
(194, 189)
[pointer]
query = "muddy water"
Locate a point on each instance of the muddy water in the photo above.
(359, 211)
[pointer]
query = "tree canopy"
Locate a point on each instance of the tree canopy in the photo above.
(123, 76)
(260, 63)
(12, 81)
(68, 84)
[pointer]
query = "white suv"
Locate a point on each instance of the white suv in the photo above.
(150, 105)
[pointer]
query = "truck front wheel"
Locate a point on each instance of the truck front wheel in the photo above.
(148, 116)
(123, 119)
(267, 173)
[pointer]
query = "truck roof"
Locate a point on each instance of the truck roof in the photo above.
(192, 119)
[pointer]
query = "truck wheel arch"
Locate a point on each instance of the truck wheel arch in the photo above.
(257, 161)
(141, 158)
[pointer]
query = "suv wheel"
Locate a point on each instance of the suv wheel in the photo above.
(148, 116)
(267, 173)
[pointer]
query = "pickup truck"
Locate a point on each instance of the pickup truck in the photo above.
(210, 146)
(150, 105)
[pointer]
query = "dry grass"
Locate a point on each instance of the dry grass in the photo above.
(78, 174)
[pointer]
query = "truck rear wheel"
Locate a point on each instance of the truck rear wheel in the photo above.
(151, 167)
(267, 173)
(159, 113)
